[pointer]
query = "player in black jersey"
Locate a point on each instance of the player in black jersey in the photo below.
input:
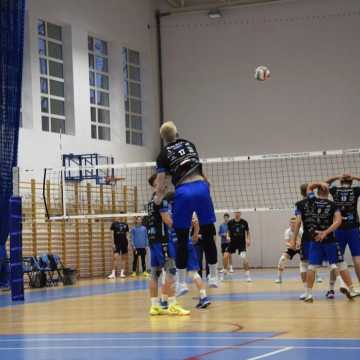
(163, 256)
(239, 233)
(346, 198)
(321, 218)
(120, 248)
(179, 158)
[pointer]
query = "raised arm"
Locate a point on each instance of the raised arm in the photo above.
(317, 184)
(332, 179)
(160, 187)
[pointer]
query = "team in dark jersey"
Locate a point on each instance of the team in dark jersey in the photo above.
(239, 234)
(346, 197)
(320, 218)
(180, 159)
(120, 230)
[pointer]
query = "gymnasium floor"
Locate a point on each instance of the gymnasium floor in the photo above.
(102, 319)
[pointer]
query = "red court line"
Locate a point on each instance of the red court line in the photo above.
(236, 346)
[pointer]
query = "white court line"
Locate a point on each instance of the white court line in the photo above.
(160, 347)
(271, 353)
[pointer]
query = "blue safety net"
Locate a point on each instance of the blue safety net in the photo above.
(11, 59)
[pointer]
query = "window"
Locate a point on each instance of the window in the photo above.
(51, 62)
(99, 89)
(132, 91)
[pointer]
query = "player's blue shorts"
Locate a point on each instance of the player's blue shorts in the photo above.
(189, 198)
(320, 252)
(157, 254)
(349, 237)
(304, 250)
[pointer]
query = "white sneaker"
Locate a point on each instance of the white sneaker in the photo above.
(212, 282)
(221, 270)
(181, 289)
(309, 299)
(278, 281)
(302, 296)
(248, 279)
(112, 276)
(122, 275)
(354, 293)
(231, 269)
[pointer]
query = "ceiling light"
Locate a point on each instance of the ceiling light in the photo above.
(214, 14)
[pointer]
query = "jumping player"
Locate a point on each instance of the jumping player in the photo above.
(240, 240)
(162, 257)
(321, 219)
(346, 198)
(180, 159)
(120, 247)
(290, 252)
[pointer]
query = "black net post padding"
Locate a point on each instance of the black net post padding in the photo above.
(11, 64)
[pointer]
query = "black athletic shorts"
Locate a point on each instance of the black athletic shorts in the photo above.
(121, 247)
(224, 246)
(292, 253)
(240, 246)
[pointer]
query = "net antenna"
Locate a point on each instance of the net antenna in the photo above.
(246, 183)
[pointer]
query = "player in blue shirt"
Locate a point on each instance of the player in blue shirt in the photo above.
(180, 159)
(225, 240)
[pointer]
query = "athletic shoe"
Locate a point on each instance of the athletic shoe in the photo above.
(319, 279)
(248, 279)
(112, 276)
(330, 294)
(181, 289)
(309, 299)
(278, 281)
(157, 310)
(133, 274)
(164, 304)
(355, 293)
(203, 303)
(302, 296)
(212, 282)
(231, 269)
(221, 270)
(145, 274)
(347, 293)
(176, 309)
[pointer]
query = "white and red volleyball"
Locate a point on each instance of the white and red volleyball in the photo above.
(262, 73)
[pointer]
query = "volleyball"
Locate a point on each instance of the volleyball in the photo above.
(262, 73)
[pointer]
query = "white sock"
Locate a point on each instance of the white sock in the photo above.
(332, 285)
(113, 272)
(213, 270)
(247, 273)
(341, 281)
(172, 300)
(308, 291)
(182, 275)
(154, 301)
(164, 297)
(202, 293)
(122, 272)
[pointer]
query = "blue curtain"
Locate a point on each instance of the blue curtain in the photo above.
(11, 59)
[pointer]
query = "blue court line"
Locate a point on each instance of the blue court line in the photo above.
(180, 346)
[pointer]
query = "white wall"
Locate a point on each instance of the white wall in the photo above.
(310, 103)
(121, 23)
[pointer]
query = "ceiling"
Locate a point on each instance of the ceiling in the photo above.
(203, 4)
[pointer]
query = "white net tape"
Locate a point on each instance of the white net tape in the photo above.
(247, 183)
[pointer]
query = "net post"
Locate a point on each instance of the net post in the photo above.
(16, 180)
(102, 229)
(63, 241)
(63, 192)
(113, 200)
(77, 226)
(89, 225)
(33, 217)
(49, 227)
(135, 199)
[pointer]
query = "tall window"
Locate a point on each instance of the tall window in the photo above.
(50, 45)
(99, 89)
(133, 103)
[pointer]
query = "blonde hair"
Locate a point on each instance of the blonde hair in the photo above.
(168, 131)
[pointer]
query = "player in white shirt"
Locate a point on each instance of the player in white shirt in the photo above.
(289, 253)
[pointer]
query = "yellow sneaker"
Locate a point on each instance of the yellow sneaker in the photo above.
(157, 310)
(133, 274)
(176, 309)
(145, 274)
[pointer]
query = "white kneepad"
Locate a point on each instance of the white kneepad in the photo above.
(342, 266)
(304, 266)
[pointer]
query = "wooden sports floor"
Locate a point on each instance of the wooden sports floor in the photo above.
(105, 319)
